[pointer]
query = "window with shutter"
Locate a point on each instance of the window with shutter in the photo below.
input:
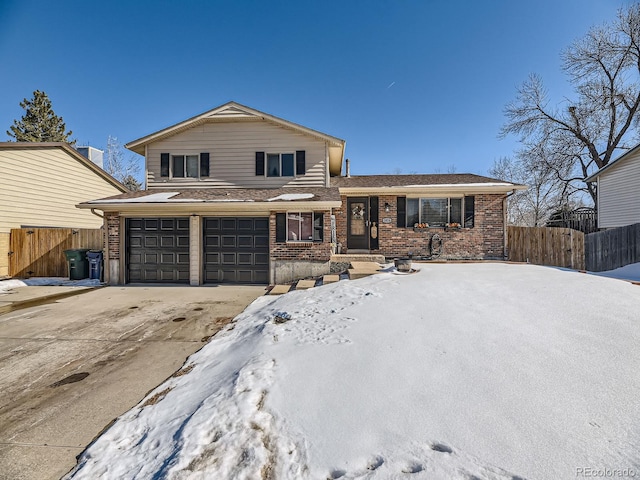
(281, 227)
(402, 212)
(204, 164)
(260, 164)
(164, 164)
(469, 211)
(301, 167)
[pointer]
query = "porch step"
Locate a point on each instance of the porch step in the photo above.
(368, 266)
(305, 284)
(348, 258)
(280, 289)
(330, 279)
(355, 274)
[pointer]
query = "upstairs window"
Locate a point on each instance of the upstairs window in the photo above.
(280, 164)
(184, 166)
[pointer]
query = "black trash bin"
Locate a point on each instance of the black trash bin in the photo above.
(95, 264)
(78, 264)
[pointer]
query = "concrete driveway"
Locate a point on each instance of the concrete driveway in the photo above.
(67, 369)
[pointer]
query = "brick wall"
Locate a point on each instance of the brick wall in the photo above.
(308, 251)
(484, 241)
(113, 235)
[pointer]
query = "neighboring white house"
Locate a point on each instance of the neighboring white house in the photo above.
(618, 190)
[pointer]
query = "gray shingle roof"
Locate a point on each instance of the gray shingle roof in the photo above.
(373, 181)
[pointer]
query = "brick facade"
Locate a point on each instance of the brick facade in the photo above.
(307, 251)
(113, 235)
(484, 241)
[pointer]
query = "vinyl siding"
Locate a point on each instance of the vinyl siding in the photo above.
(232, 147)
(619, 194)
(42, 187)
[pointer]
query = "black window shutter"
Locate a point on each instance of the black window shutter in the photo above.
(402, 212)
(469, 211)
(164, 164)
(204, 164)
(300, 162)
(281, 227)
(318, 226)
(260, 164)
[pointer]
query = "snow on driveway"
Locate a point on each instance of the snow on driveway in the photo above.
(470, 371)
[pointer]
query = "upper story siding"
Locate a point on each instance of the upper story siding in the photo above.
(619, 194)
(232, 147)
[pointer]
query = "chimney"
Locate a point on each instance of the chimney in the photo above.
(348, 168)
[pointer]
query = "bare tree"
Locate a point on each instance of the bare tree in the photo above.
(583, 134)
(123, 169)
(531, 207)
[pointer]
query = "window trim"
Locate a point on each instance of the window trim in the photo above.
(170, 158)
(280, 175)
(316, 217)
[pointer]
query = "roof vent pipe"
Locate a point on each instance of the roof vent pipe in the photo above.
(348, 168)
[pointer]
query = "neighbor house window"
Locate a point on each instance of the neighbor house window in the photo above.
(304, 226)
(436, 212)
(184, 166)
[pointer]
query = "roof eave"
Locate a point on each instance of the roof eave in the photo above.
(209, 207)
(430, 190)
(138, 146)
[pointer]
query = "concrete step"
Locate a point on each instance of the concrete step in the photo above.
(305, 284)
(330, 279)
(346, 258)
(355, 274)
(280, 289)
(366, 266)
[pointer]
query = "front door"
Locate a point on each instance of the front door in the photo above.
(358, 223)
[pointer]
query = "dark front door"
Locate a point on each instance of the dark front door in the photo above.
(357, 223)
(158, 250)
(236, 250)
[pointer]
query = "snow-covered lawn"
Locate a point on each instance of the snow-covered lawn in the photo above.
(469, 371)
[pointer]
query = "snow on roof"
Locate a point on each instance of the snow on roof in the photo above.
(291, 196)
(161, 197)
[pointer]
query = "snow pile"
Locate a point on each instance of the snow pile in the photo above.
(291, 196)
(628, 272)
(6, 285)
(474, 371)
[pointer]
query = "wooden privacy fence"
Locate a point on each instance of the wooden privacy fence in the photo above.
(558, 247)
(39, 252)
(613, 248)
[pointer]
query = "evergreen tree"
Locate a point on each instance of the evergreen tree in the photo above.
(39, 123)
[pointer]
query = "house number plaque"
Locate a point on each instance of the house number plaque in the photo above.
(386, 220)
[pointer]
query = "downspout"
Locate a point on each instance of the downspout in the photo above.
(93, 210)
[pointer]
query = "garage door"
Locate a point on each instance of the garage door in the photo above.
(158, 250)
(236, 250)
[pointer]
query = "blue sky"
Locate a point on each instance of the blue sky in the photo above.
(412, 86)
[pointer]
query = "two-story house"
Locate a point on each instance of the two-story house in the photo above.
(238, 195)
